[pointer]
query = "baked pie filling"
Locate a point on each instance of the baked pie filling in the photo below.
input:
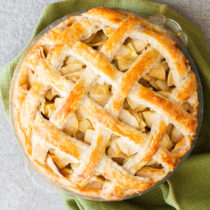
(105, 104)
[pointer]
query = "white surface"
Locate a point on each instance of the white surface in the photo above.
(17, 21)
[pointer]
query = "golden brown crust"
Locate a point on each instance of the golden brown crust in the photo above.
(124, 179)
(106, 120)
(188, 87)
(94, 59)
(49, 76)
(125, 152)
(31, 104)
(153, 173)
(172, 111)
(182, 147)
(91, 160)
(79, 90)
(106, 14)
(170, 51)
(167, 159)
(55, 138)
(128, 79)
(118, 37)
(152, 147)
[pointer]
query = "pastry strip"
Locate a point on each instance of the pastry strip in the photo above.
(96, 113)
(57, 139)
(94, 60)
(129, 78)
(153, 143)
(75, 96)
(113, 44)
(172, 111)
(166, 159)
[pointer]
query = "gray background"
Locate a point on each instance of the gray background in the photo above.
(17, 21)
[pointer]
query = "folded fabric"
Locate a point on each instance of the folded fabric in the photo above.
(189, 187)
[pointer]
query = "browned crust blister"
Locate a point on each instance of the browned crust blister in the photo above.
(67, 38)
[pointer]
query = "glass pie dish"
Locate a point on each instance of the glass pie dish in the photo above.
(172, 28)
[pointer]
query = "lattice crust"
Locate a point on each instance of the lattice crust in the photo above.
(105, 104)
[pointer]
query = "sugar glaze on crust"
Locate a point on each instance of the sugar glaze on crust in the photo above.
(105, 104)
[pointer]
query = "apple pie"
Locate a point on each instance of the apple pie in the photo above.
(105, 104)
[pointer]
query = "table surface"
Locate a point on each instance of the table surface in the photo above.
(17, 21)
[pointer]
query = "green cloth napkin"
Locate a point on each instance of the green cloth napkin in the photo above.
(189, 187)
